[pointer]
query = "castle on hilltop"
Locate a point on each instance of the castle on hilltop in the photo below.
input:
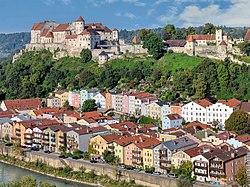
(71, 38)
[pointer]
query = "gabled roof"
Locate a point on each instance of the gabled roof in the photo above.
(61, 28)
(110, 137)
(203, 102)
(135, 40)
(175, 43)
(106, 29)
(115, 29)
(247, 37)
(80, 19)
(201, 37)
(89, 32)
(180, 143)
(193, 151)
(91, 130)
(23, 104)
(174, 117)
(223, 43)
(243, 138)
(226, 135)
(233, 103)
(38, 26)
(198, 124)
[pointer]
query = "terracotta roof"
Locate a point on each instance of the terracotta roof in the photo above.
(46, 110)
(91, 130)
(7, 114)
(45, 31)
(89, 32)
(147, 143)
(80, 19)
(110, 137)
(243, 138)
(203, 102)
(245, 106)
(174, 116)
(49, 35)
(38, 26)
(175, 43)
(169, 129)
(71, 37)
(193, 151)
(233, 103)
(43, 123)
(201, 37)
(106, 29)
(115, 29)
(247, 37)
(198, 124)
(226, 135)
(135, 40)
(223, 43)
(178, 133)
(61, 28)
(23, 104)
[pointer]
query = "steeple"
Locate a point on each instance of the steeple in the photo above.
(80, 19)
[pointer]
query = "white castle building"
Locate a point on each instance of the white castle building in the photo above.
(69, 39)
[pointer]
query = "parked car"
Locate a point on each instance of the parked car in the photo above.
(121, 166)
(47, 151)
(137, 169)
(62, 156)
(93, 161)
(149, 171)
(34, 149)
(129, 167)
(157, 173)
(172, 175)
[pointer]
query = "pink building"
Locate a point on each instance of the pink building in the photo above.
(128, 154)
(125, 104)
(76, 99)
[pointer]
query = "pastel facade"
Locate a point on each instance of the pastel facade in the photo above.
(74, 99)
(53, 102)
(100, 100)
(171, 121)
(63, 96)
(88, 94)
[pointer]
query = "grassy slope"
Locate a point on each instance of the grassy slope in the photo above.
(168, 62)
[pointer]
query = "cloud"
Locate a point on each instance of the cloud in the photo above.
(129, 15)
(135, 2)
(237, 14)
(52, 2)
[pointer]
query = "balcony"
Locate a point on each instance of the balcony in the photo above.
(28, 134)
(70, 138)
(138, 163)
(18, 130)
(18, 134)
(200, 174)
(73, 143)
(163, 154)
(45, 139)
(136, 152)
(200, 167)
(136, 157)
(61, 137)
(111, 147)
(165, 161)
(216, 174)
(28, 143)
(28, 138)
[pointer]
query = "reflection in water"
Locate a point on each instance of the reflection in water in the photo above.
(9, 173)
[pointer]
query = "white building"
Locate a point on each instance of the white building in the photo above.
(171, 121)
(100, 100)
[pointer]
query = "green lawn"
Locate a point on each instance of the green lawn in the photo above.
(176, 61)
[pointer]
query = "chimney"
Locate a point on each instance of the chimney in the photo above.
(80, 114)
(232, 154)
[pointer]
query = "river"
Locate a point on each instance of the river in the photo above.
(9, 173)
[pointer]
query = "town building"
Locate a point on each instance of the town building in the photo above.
(171, 121)
(53, 102)
(100, 100)
(63, 96)
(21, 104)
(88, 94)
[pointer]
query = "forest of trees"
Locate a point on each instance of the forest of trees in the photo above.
(37, 74)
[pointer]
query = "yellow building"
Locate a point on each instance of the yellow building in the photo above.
(63, 96)
(166, 137)
(101, 142)
(148, 157)
(154, 111)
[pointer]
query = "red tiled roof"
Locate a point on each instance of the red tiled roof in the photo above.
(174, 116)
(204, 103)
(61, 28)
(198, 124)
(38, 26)
(23, 104)
(45, 31)
(223, 43)
(233, 103)
(89, 32)
(226, 135)
(71, 37)
(43, 123)
(91, 130)
(80, 19)
(193, 151)
(175, 43)
(178, 133)
(247, 37)
(110, 137)
(46, 110)
(243, 138)
(7, 114)
(49, 35)
(106, 29)
(135, 40)
(201, 37)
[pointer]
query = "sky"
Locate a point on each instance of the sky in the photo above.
(20, 15)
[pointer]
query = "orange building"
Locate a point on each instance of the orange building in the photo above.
(176, 108)
(108, 101)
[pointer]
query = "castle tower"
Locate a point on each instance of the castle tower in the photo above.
(115, 34)
(79, 25)
(219, 36)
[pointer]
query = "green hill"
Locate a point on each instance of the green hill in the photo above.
(173, 77)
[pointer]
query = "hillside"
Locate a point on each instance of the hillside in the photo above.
(173, 77)
(10, 43)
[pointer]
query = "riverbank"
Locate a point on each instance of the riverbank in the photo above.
(66, 174)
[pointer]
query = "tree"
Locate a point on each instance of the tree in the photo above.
(200, 86)
(89, 105)
(185, 169)
(77, 153)
(241, 176)
(86, 55)
(109, 157)
(239, 122)
(143, 34)
(189, 31)
(245, 47)
(209, 28)
(154, 45)
(169, 32)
